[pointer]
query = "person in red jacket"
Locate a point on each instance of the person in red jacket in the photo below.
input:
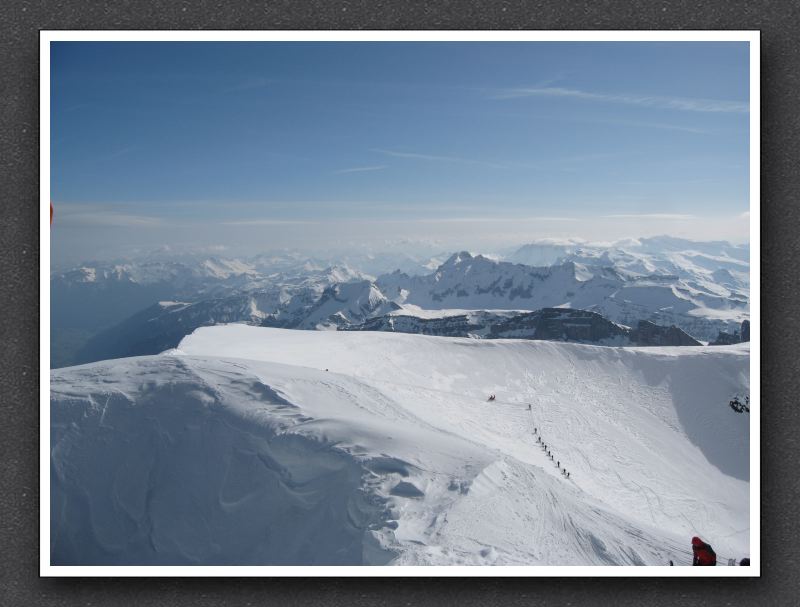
(703, 553)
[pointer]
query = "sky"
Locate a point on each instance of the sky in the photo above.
(246, 147)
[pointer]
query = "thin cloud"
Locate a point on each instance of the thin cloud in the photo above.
(409, 220)
(412, 207)
(117, 220)
(667, 216)
(500, 219)
(664, 103)
(267, 222)
(481, 220)
(102, 214)
(670, 182)
(655, 125)
(360, 169)
(435, 158)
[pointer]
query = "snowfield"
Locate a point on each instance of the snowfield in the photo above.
(250, 445)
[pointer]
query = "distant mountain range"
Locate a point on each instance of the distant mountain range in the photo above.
(92, 298)
(702, 289)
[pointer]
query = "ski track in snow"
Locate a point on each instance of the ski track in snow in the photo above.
(430, 472)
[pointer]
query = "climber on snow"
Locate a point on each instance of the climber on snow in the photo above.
(491, 397)
(703, 553)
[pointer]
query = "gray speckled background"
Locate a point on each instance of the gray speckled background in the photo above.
(779, 22)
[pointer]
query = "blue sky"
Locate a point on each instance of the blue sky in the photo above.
(246, 145)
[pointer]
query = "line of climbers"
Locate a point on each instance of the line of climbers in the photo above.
(564, 472)
(702, 553)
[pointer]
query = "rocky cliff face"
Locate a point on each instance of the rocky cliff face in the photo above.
(561, 324)
(651, 334)
(552, 324)
(726, 339)
(462, 325)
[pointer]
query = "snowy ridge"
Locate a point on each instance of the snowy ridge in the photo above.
(699, 306)
(346, 304)
(240, 447)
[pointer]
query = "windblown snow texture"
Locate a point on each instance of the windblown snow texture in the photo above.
(251, 445)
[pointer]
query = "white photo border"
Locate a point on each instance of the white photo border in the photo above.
(46, 37)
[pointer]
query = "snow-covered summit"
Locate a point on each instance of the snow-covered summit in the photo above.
(250, 445)
(685, 289)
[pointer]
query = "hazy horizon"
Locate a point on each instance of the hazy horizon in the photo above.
(251, 147)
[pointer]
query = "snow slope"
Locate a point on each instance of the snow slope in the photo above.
(241, 448)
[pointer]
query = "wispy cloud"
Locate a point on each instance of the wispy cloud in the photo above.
(664, 103)
(669, 182)
(655, 125)
(360, 169)
(666, 216)
(499, 219)
(267, 222)
(476, 219)
(435, 158)
(118, 220)
(745, 216)
(77, 214)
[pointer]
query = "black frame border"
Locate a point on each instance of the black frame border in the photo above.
(20, 22)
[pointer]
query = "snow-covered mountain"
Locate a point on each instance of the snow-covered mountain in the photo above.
(361, 306)
(467, 281)
(163, 325)
(702, 288)
(314, 303)
(346, 304)
(265, 446)
(705, 263)
(199, 278)
(182, 274)
(101, 308)
(94, 296)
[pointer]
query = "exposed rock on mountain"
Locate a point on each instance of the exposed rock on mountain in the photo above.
(650, 334)
(726, 339)
(701, 289)
(553, 324)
